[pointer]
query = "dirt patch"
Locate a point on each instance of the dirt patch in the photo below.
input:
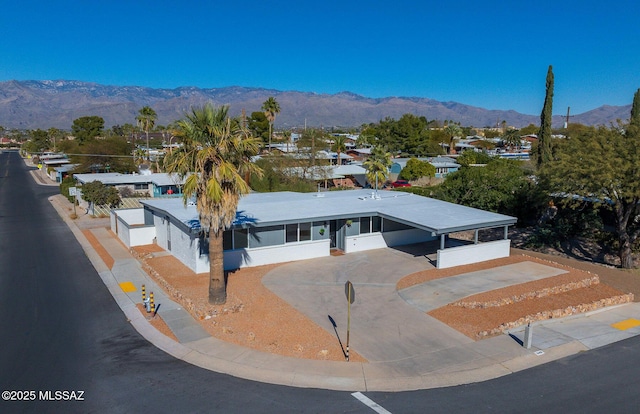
(157, 322)
(492, 313)
(483, 322)
(253, 316)
(102, 252)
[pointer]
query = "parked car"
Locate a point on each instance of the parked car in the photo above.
(400, 183)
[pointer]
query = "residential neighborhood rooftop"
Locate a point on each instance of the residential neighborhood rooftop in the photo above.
(118, 178)
(425, 213)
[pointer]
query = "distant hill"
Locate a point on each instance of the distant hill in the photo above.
(45, 104)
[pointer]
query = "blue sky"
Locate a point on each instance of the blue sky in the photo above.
(492, 54)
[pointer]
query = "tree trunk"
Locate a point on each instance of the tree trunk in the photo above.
(217, 285)
(626, 258)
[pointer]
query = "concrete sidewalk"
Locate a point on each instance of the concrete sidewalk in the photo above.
(432, 356)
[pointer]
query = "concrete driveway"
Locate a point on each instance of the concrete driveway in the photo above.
(387, 325)
(384, 327)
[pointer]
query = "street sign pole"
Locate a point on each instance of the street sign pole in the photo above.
(351, 295)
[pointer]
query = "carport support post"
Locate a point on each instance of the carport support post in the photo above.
(475, 236)
(442, 242)
(506, 232)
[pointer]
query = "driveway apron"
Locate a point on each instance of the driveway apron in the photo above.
(384, 327)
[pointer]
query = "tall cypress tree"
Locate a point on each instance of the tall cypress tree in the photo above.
(634, 122)
(544, 135)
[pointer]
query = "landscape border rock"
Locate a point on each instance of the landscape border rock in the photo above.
(557, 313)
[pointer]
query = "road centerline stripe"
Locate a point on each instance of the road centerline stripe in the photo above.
(370, 403)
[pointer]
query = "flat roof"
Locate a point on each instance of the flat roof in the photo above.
(265, 209)
(119, 178)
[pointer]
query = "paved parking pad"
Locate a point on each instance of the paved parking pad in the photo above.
(440, 292)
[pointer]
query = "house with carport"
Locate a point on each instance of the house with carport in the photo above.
(150, 185)
(287, 226)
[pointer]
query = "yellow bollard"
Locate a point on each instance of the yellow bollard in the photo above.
(152, 303)
(144, 294)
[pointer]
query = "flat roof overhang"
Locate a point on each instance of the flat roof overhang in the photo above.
(270, 209)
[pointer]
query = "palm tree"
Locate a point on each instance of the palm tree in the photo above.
(146, 119)
(287, 137)
(215, 154)
(452, 130)
(339, 146)
(271, 108)
(512, 138)
(138, 156)
(378, 165)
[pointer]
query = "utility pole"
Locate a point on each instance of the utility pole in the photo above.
(566, 122)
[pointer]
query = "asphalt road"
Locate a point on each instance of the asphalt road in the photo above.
(60, 330)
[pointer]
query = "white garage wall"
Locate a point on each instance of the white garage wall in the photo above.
(473, 253)
(235, 259)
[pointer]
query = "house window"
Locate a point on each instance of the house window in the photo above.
(376, 224)
(240, 238)
(305, 231)
(365, 225)
(266, 236)
(292, 233)
(141, 186)
(235, 239)
(227, 240)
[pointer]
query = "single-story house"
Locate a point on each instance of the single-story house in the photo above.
(285, 226)
(153, 185)
(340, 175)
(61, 172)
(444, 166)
(359, 154)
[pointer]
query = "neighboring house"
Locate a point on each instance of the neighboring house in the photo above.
(48, 164)
(443, 165)
(62, 172)
(153, 185)
(285, 226)
(359, 154)
(340, 175)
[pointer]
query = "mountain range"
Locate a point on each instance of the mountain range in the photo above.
(56, 103)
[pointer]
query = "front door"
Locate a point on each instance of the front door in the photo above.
(337, 233)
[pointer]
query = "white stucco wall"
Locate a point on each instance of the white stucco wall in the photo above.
(183, 246)
(131, 215)
(202, 261)
(235, 259)
(141, 235)
(473, 253)
(364, 242)
(129, 226)
(112, 220)
(161, 231)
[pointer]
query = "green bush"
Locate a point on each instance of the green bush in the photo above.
(64, 188)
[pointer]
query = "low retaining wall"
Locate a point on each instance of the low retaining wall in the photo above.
(473, 253)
